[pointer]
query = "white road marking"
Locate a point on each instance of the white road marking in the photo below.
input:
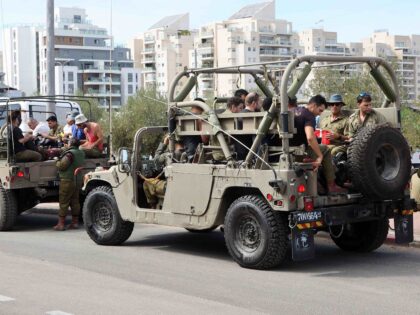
(57, 313)
(5, 298)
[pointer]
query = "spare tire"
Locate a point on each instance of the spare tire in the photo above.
(379, 162)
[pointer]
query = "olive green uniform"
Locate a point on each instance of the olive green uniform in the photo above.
(355, 124)
(69, 161)
(339, 126)
(155, 188)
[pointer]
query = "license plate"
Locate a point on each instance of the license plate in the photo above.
(301, 217)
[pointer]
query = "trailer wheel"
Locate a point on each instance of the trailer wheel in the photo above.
(362, 236)
(102, 219)
(8, 209)
(255, 235)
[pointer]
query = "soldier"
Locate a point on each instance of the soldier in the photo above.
(154, 188)
(335, 122)
(69, 161)
(305, 126)
(56, 131)
(364, 116)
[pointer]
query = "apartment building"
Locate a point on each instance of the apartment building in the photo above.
(20, 46)
(251, 35)
(405, 50)
(162, 51)
(87, 61)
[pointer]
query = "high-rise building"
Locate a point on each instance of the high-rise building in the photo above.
(87, 61)
(403, 49)
(20, 56)
(251, 35)
(162, 51)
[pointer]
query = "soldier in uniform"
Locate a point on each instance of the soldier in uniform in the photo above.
(364, 116)
(69, 161)
(336, 122)
(154, 188)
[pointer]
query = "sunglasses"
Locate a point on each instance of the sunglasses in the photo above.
(363, 94)
(336, 104)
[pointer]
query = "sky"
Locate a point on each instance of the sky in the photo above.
(352, 20)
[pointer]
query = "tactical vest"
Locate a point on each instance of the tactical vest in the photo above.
(78, 160)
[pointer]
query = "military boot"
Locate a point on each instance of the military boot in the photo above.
(74, 223)
(60, 224)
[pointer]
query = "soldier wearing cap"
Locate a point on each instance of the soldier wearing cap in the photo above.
(335, 122)
(364, 116)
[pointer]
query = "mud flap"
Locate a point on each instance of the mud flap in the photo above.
(303, 245)
(403, 224)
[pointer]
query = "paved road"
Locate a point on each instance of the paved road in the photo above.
(171, 271)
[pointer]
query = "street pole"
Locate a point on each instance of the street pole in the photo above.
(110, 84)
(50, 55)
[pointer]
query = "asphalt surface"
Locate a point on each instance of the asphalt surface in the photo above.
(162, 270)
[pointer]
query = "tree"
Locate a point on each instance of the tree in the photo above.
(146, 108)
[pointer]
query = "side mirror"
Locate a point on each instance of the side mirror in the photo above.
(124, 160)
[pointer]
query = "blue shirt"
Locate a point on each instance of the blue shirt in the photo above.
(77, 133)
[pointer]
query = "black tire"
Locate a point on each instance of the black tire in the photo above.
(255, 235)
(361, 237)
(8, 209)
(379, 162)
(102, 218)
(202, 231)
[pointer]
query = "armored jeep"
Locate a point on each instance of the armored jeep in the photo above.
(25, 184)
(271, 199)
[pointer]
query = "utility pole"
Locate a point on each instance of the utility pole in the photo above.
(50, 56)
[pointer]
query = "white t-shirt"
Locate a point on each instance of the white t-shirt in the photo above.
(40, 129)
(67, 129)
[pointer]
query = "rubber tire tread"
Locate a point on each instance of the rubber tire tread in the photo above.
(8, 209)
(364, 177)
(123, 230)
(369, 239)
(278, 241)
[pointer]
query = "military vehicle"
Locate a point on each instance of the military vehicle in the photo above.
(264, 206)
(23, 185)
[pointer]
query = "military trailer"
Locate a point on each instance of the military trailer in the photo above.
(264, 206)
(25, 184)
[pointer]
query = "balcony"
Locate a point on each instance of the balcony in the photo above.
(149, 39)
(148, 60)
(207, 57)
(275, 43)
(101, 81)
(206, 35)
(150, 78)
(149, 70)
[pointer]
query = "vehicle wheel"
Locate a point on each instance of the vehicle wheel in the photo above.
(379, 162)
(362, 236)
(202, 231)
(255, 235)
(8, 209)
(102, 219)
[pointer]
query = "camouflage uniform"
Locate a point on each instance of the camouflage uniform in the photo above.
(56, 133)
(355, 124)
(339, 126)
(69, 161)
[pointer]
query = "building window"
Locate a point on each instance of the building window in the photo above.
(130, 89)
(130, 77)
(70, 88)
(70, 77)
(77, 19)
